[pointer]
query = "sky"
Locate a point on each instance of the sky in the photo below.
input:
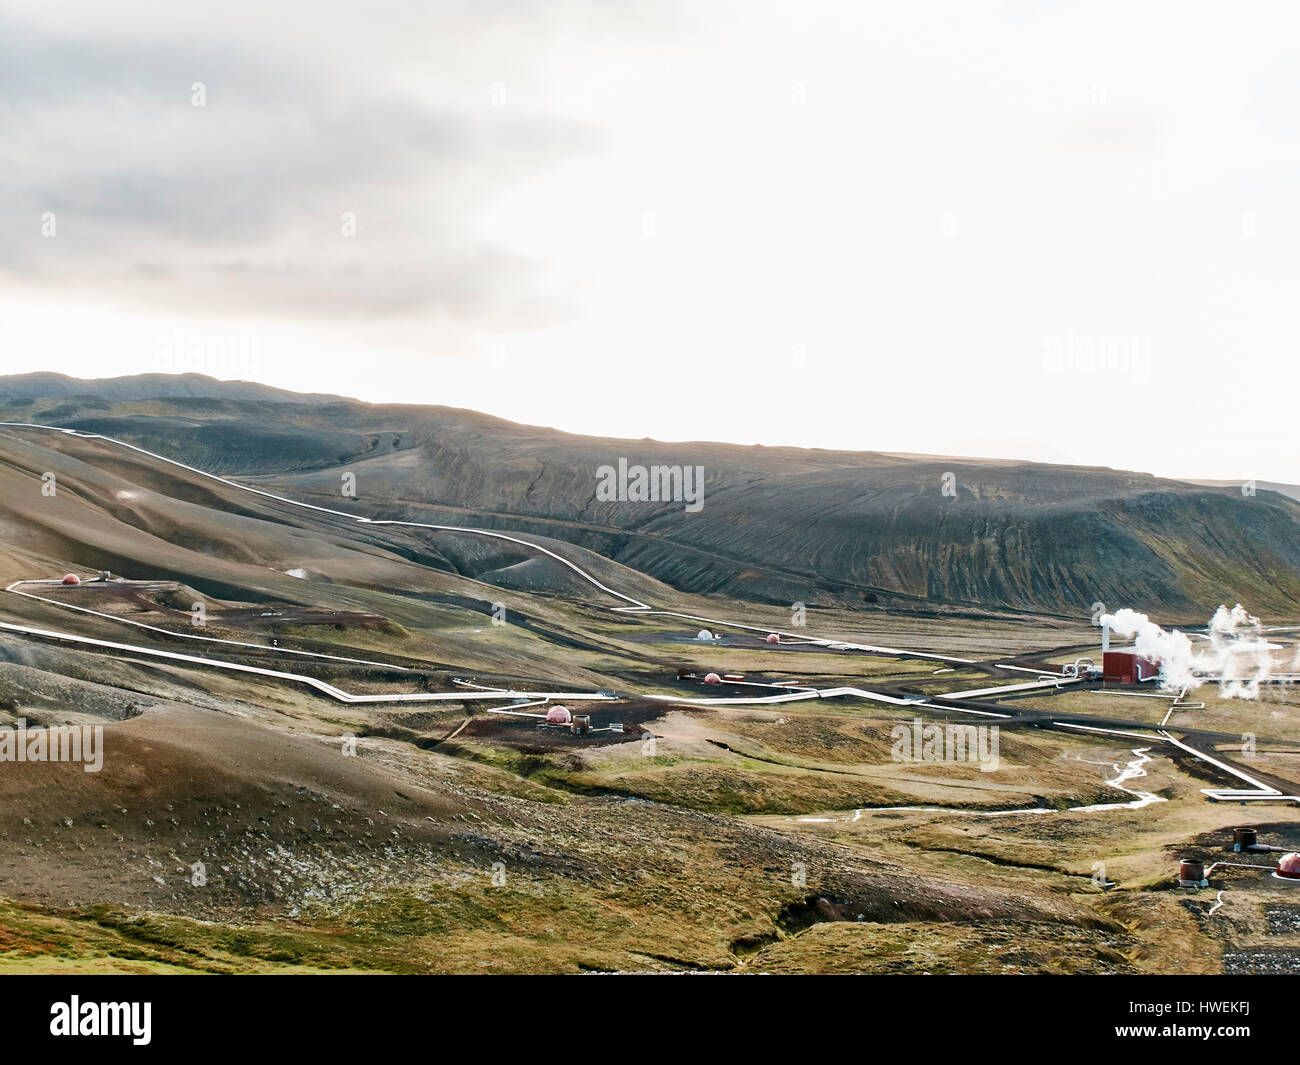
(1065, 232)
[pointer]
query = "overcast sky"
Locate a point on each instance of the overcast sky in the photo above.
(1058, 231)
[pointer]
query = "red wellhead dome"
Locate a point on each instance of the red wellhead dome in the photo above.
(1289, 866)
(71, 578)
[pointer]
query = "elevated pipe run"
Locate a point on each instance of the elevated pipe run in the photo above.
(1261, 792)
(320, 685)
(634, 605)
(1006, 689)
(1235, 865)
(189, 635)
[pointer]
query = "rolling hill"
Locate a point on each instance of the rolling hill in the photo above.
(778, 525)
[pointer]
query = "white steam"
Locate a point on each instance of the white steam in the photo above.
(1234, 652)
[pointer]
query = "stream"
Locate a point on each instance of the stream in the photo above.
(1131, 771)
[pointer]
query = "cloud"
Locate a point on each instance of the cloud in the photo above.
(239, 205)
(910, 197)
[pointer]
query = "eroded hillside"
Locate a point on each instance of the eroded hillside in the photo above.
(778, 525)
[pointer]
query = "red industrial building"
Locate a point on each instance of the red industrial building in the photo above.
(1127, 667)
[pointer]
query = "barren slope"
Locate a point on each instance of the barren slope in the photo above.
(779, 524)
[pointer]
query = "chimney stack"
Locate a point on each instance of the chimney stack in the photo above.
(1105, 636)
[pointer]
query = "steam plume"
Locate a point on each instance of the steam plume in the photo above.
(1234, 653)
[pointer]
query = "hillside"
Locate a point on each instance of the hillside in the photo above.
(779, 525)
(343, 764)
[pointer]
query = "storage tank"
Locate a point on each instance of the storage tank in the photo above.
(704, 636)
(1243, 839)
(1191, 873)
(772, 637)
(71, 578)
(558, 715)
(712, 678)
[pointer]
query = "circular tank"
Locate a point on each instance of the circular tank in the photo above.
(712, 678)
(71, 578)
(1244, 838)
(1191, 872)
(558, 715)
